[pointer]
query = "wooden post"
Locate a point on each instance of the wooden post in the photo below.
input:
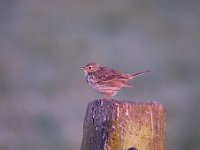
(123, 125)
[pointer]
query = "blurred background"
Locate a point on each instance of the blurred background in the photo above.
(43, 94)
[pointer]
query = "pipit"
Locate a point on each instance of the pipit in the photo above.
(107, 81)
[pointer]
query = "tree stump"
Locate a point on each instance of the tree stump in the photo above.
(123, 125)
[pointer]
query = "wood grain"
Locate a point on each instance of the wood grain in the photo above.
(121, 125)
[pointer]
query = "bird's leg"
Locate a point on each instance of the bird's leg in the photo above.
(107, 96)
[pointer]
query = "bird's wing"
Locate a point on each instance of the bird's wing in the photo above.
(106, 74)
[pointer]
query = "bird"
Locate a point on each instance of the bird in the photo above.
(105, 80)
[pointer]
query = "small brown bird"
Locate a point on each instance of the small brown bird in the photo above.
(106, 80)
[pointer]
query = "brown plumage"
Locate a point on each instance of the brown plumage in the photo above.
(106, 80)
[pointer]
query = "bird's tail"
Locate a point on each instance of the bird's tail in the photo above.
(139, 73)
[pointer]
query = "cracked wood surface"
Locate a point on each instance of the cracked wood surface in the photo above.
(120, 125)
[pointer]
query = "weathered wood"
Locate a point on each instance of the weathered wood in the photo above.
(123, 125)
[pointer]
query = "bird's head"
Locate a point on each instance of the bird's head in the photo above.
(91, 67)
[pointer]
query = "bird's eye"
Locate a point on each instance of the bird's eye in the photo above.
(90, 67)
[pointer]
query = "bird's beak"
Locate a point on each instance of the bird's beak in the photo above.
(82, 68)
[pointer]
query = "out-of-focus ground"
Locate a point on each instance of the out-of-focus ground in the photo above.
(43, 94)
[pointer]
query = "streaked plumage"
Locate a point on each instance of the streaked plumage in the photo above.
(106, 80)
